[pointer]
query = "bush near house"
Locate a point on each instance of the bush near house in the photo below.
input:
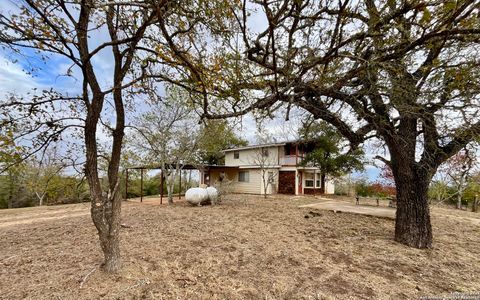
(376, 189)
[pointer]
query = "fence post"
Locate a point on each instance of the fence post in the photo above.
(475, 203)
(161, 186)
(141, 185)
(126, 184)
(180, 186)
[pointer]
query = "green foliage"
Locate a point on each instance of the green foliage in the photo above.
(472, 190)
(151, 185)
(217, 135)
(327, 153)
(362, 188)
(10, 152)
(61, 190)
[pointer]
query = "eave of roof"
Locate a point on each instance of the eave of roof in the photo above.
(259, 146)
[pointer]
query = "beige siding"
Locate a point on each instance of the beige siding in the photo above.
(272, 187)
(250, 157)
(329, 187)
(253, 186)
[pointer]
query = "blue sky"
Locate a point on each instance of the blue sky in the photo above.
(20, 74)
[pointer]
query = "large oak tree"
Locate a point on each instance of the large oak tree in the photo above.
(404, 72)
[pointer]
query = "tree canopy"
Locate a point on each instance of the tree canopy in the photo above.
(215, 136)
(406, 73)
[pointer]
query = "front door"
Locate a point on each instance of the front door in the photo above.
(286, 182)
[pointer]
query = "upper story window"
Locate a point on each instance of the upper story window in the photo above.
(288, 149)
(236, 154)
(265, 152)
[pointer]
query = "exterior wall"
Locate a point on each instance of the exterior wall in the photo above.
(329, 184)
(249, 157)
(253, 186)
(286, 181)
(329, 187)
(230, 174)
(272, 187)
(311, 191)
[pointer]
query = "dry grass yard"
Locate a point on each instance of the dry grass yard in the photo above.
(246, 248)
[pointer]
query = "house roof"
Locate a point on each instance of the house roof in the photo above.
(183, 167)
(254, 147)
(263, 145)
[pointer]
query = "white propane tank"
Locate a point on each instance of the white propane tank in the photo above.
(196, 196)
(212, 194)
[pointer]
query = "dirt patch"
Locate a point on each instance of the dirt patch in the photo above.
(246, 248)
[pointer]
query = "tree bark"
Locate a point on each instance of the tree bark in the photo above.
(461, 188)
(170, 185)
(412, 223)
(109, 233)
(322, 183)
(105, 207)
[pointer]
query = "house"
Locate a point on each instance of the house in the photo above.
(247, 168)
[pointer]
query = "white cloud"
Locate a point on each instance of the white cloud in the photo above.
(14, 79)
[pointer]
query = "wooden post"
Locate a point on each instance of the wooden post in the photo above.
(296, 154)
(141, 185)
(314, 182)
(161, 186)
(475, 203)
(180, 186)
(126, 184)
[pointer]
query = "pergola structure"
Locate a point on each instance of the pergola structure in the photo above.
(201, 168)
(162, 179)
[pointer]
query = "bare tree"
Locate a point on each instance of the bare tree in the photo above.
(459, 169)
(65, 29)
(167, 135)
(41, 172)
(262, 158)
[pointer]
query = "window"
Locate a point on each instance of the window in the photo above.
(236, 154)
(318, 183)
(271, 177)
(288, 149)
(243, 176)
(309, 179)
(264, 152)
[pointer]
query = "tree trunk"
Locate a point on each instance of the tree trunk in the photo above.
(265, 184)
(322, 183)
(412, 223)
(475, 204)
(10, 191)
(109, 235)
(190, 179)
(461, 189)
(105, 207)
(170, 185)
(106, 218)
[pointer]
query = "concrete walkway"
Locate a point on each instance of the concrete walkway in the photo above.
(343, 206)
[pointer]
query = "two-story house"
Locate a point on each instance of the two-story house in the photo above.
(248, 168)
